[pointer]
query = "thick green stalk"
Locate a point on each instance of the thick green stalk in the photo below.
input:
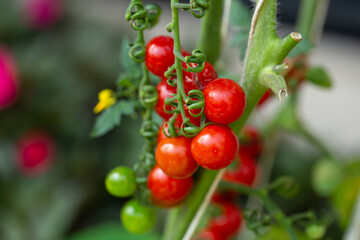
(306, 16)
(210, 33)
(311, 18)
(194, 201)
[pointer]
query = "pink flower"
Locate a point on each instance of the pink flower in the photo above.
(42, 13)
(9, 86)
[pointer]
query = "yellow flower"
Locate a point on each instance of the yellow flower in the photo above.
(106, 99)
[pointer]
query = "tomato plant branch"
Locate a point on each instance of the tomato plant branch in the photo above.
(262, 194)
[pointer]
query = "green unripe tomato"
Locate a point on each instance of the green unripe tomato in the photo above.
(326, 177)
(315, 231)
(137, 218)
(120, 182)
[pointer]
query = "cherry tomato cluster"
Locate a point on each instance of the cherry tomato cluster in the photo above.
(214, 147)
(243, 171)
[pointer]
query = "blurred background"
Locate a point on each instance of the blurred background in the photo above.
(56, 55)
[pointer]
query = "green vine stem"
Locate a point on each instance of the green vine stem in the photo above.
(262, 195)
(311, 18)
(210, 33)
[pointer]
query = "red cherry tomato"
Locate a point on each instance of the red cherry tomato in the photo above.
(35, 152)
(267, 95)
(250, 141)
(9, 85)
(167, 191)
(244, 172)
(209, 234)
(207, 75)
(224, 101)
(227, 223)
(159, 54)
(164, 90)
(173, 155)
(215, 147)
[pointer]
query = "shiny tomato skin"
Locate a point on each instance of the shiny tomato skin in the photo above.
(250, 141)
(167, 191)
(164, 90)
(207, 75)
(215, 147)
(173, 155)
(227, 223)
(159, 54)
(244, 173)
(137, 218)
(224, 101)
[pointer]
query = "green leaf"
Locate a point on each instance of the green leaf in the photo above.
(110, 231)
(126, 62)
(111, 117)
(319, 76)
(303, 47)
(240, 14)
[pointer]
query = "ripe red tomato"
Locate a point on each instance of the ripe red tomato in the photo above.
(167, 191)
(207, 75)
(250, 141)
(9, 85)
(215, 147)
(244, 172)
(164, 90)
(224, 101)
(35, 152)
(159, 54)
(173, 155)
(228, 222)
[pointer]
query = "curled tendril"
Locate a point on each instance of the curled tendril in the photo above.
(170, 71)
(171, 81)
(172, 131)
(137, 15)
(148, 96)
(188, 129)
(172, 102)
(154, 11)
(137, 52)
(195, 100)
(198, 8)
(149, 130)
(197, 59)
